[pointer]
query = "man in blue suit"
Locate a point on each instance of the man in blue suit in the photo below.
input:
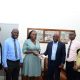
(56, 58)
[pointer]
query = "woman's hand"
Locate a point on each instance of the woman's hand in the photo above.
(36, 53)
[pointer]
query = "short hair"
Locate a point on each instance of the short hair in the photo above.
(73, 32)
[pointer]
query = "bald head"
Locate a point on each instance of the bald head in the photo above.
(56, 37)
(15, 30)
(15, 33)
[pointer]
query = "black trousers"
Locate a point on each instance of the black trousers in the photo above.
(53, 71)
(13, 70)
(71, 73)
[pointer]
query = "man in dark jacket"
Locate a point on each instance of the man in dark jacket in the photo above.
(56, 57)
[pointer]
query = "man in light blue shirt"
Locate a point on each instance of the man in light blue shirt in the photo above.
(11, 57)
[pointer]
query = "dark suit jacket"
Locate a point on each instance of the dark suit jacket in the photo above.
(60, 54)
(1, 56)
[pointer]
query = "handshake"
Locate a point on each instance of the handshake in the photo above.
(41, 56)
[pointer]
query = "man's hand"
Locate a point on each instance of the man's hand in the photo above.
(61, 66)
(42, 53)
(6, 68)
(21, 65)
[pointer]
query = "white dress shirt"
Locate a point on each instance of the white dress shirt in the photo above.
(54, 49)
(72, 53)
(9, 51)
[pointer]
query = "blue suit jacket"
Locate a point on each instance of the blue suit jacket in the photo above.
(60, 54)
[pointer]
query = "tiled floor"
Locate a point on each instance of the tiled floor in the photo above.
(2, 78)
(2, 75)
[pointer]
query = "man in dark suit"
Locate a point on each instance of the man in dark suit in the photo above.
(0, 56)
(56, 58)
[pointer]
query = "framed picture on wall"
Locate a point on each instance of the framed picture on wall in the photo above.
(49, 35)
(46, 35)
(64, 36)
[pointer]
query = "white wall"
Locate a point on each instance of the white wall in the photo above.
(23, 33)
(6, 31)
(59, 14)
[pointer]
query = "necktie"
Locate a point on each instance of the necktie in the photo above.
(15, 48)
(69, 49)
